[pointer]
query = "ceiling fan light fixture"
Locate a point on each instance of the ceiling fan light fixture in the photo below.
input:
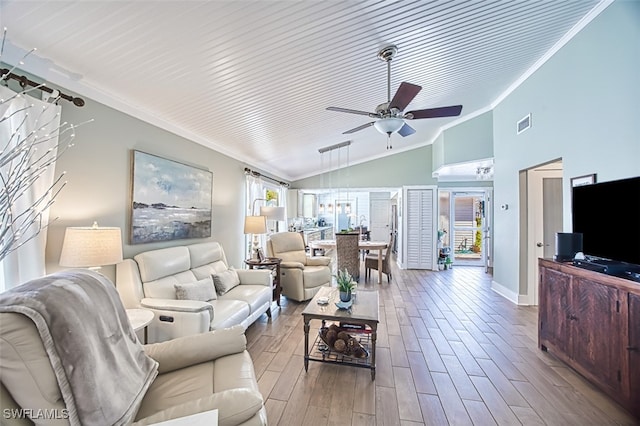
(388, 125)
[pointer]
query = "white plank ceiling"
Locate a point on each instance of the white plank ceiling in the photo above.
(252, 79)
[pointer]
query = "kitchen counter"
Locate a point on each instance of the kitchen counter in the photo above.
(317, 228)
(318, 233)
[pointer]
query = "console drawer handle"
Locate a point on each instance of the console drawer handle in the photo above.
(632, 348)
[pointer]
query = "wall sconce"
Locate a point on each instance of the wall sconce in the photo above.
(91, 247)
(321, 208)
(330, 208)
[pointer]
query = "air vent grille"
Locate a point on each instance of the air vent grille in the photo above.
(523, 124)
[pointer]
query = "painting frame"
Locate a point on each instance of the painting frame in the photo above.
(260, 254)
(583, 180)
(170, 200)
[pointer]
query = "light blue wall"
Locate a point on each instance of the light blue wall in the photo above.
(405, 168)
(470, 140)
(438, 152)
(585, 105)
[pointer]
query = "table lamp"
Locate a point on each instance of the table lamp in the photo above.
(91, 247)
(273, 213)
(255, 225)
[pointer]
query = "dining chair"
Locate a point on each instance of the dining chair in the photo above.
(371, 260)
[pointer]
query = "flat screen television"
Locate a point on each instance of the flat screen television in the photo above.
(608, 216)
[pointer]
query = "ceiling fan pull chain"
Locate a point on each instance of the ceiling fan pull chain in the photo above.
(389, 141)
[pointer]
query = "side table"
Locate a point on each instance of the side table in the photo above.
(140, 319)
(272, 263)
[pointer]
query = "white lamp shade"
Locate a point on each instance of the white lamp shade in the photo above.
(255, 225)
(388, 125)
(85, 247)
(272, 213)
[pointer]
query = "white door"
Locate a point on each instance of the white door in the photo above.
(379, 211)
(419, 230)
(544, 217)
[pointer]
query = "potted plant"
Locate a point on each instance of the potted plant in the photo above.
(448, 263)
(345, 285)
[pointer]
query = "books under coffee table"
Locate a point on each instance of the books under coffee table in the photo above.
(359, 322)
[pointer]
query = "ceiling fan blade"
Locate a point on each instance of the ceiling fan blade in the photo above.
(406, 130)
(404, 95)
(450, 111)
(351, 111)
(357, 129)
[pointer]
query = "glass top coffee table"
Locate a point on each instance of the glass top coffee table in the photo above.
(360, 321)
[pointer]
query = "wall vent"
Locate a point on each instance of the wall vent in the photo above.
(523, 124)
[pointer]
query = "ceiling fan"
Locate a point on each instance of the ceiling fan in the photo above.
(389, 116)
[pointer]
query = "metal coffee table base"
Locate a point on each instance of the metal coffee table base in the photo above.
(319, 351)
(363, 312)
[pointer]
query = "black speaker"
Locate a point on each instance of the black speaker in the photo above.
(567, 245)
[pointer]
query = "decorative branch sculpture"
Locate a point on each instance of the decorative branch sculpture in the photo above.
(22, 165)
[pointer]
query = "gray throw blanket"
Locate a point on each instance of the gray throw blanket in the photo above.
(101, 368)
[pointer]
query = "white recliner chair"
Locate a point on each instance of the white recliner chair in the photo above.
(69, 356)
(301, 276)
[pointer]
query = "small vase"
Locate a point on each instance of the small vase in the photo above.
(345, 296)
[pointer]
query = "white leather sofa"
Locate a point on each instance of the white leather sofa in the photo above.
(148, 281)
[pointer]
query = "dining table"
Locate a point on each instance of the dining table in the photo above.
(362, 245)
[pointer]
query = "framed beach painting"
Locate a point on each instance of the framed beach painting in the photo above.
(170, 200)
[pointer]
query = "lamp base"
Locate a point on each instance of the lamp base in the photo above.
(254, 250)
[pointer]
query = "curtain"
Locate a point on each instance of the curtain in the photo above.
(282, 197)
(255, 190)
(28, 118)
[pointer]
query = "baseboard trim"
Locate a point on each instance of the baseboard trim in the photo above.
(508, 294)
(524, 300)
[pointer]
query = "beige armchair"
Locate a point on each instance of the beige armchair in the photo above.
(301, 276)
(71, 362)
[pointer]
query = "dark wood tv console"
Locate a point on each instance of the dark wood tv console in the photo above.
(591, 321)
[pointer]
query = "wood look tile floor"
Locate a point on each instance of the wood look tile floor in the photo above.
(449, 351)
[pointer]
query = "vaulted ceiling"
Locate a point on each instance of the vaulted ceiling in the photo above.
(253, 79)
